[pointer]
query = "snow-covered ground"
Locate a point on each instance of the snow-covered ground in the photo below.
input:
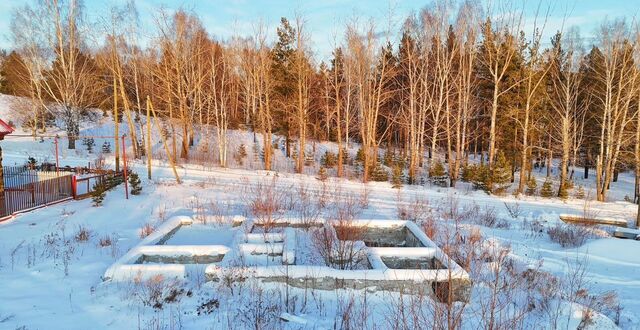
(50, 277)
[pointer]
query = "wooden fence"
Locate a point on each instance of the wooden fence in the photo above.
(26, 188)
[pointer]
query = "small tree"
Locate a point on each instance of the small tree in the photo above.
(89, 143)
(438, 175)
(322, 174)
(580, 194)
(98, 194)
(329, 159)
(396, 179)
(379, 173)
(547, 188)
(134, 182)
(501, 175)
(241, 154)
(106, 148)
(532, 186)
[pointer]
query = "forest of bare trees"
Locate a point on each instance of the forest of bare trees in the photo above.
(461, 85)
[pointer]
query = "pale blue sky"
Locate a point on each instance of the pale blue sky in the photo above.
(326, 18)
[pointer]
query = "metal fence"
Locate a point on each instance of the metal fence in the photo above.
(26, 188)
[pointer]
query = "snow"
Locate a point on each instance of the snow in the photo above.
(50, 280)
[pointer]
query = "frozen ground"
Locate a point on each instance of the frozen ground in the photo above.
(50, 279)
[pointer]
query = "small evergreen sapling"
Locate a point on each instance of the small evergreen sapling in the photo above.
(106, 148)
(501, 175)
(379, 173)
(241, 154)
(532, 186)
(580, 194)
(438, 175)
(322, 174)
(547, 188)
(396, 179)
(98, 194)
(89, 143)
(134, 182)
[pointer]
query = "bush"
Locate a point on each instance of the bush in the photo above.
(547, 188)
(396, 179)
(83, 234)
(437, 169)
(569, 235)
(106, 147)
(240, 154)
(379, 173)
(146, 230)
(501, 175)
(322, 174)
(478, 175)
(89, 143)
(532, 186)
(329, 159)
(134, 181)
(98, 194)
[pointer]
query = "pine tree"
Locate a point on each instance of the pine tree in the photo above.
(532, 186)
(547, 188)
(438, 175)
(501, 175)
(396, 179)
(134, 182)
(379, 173)
(580, 194)
(329, 159)
(241, 154)
(106, 148)
(322, 174)
(89, 143)
(98, 194)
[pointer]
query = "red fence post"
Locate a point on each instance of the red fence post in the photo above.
(124, 161)
(74, 186)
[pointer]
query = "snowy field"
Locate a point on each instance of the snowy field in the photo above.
(52, 259)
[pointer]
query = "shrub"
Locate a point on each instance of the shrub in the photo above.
(83, 234)
(501, 175)
(322, 174)
(240, 154)
(98, 194)
(105, 241)
(396, 179)
(134, 181)
(89, 143)
(146, 230)
(547, 188)
(106, 147)
(437, 174)
(532, 186)
(569, 235)
(379, 173)
(329, 159)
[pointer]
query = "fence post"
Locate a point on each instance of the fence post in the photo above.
(74, 188)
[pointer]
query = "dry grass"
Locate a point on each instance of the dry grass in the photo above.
(146, 230)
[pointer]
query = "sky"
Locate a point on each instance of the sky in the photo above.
(326, 18)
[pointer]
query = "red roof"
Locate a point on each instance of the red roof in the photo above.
(5, 128)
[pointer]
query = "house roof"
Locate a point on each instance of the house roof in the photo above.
(5, 128)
